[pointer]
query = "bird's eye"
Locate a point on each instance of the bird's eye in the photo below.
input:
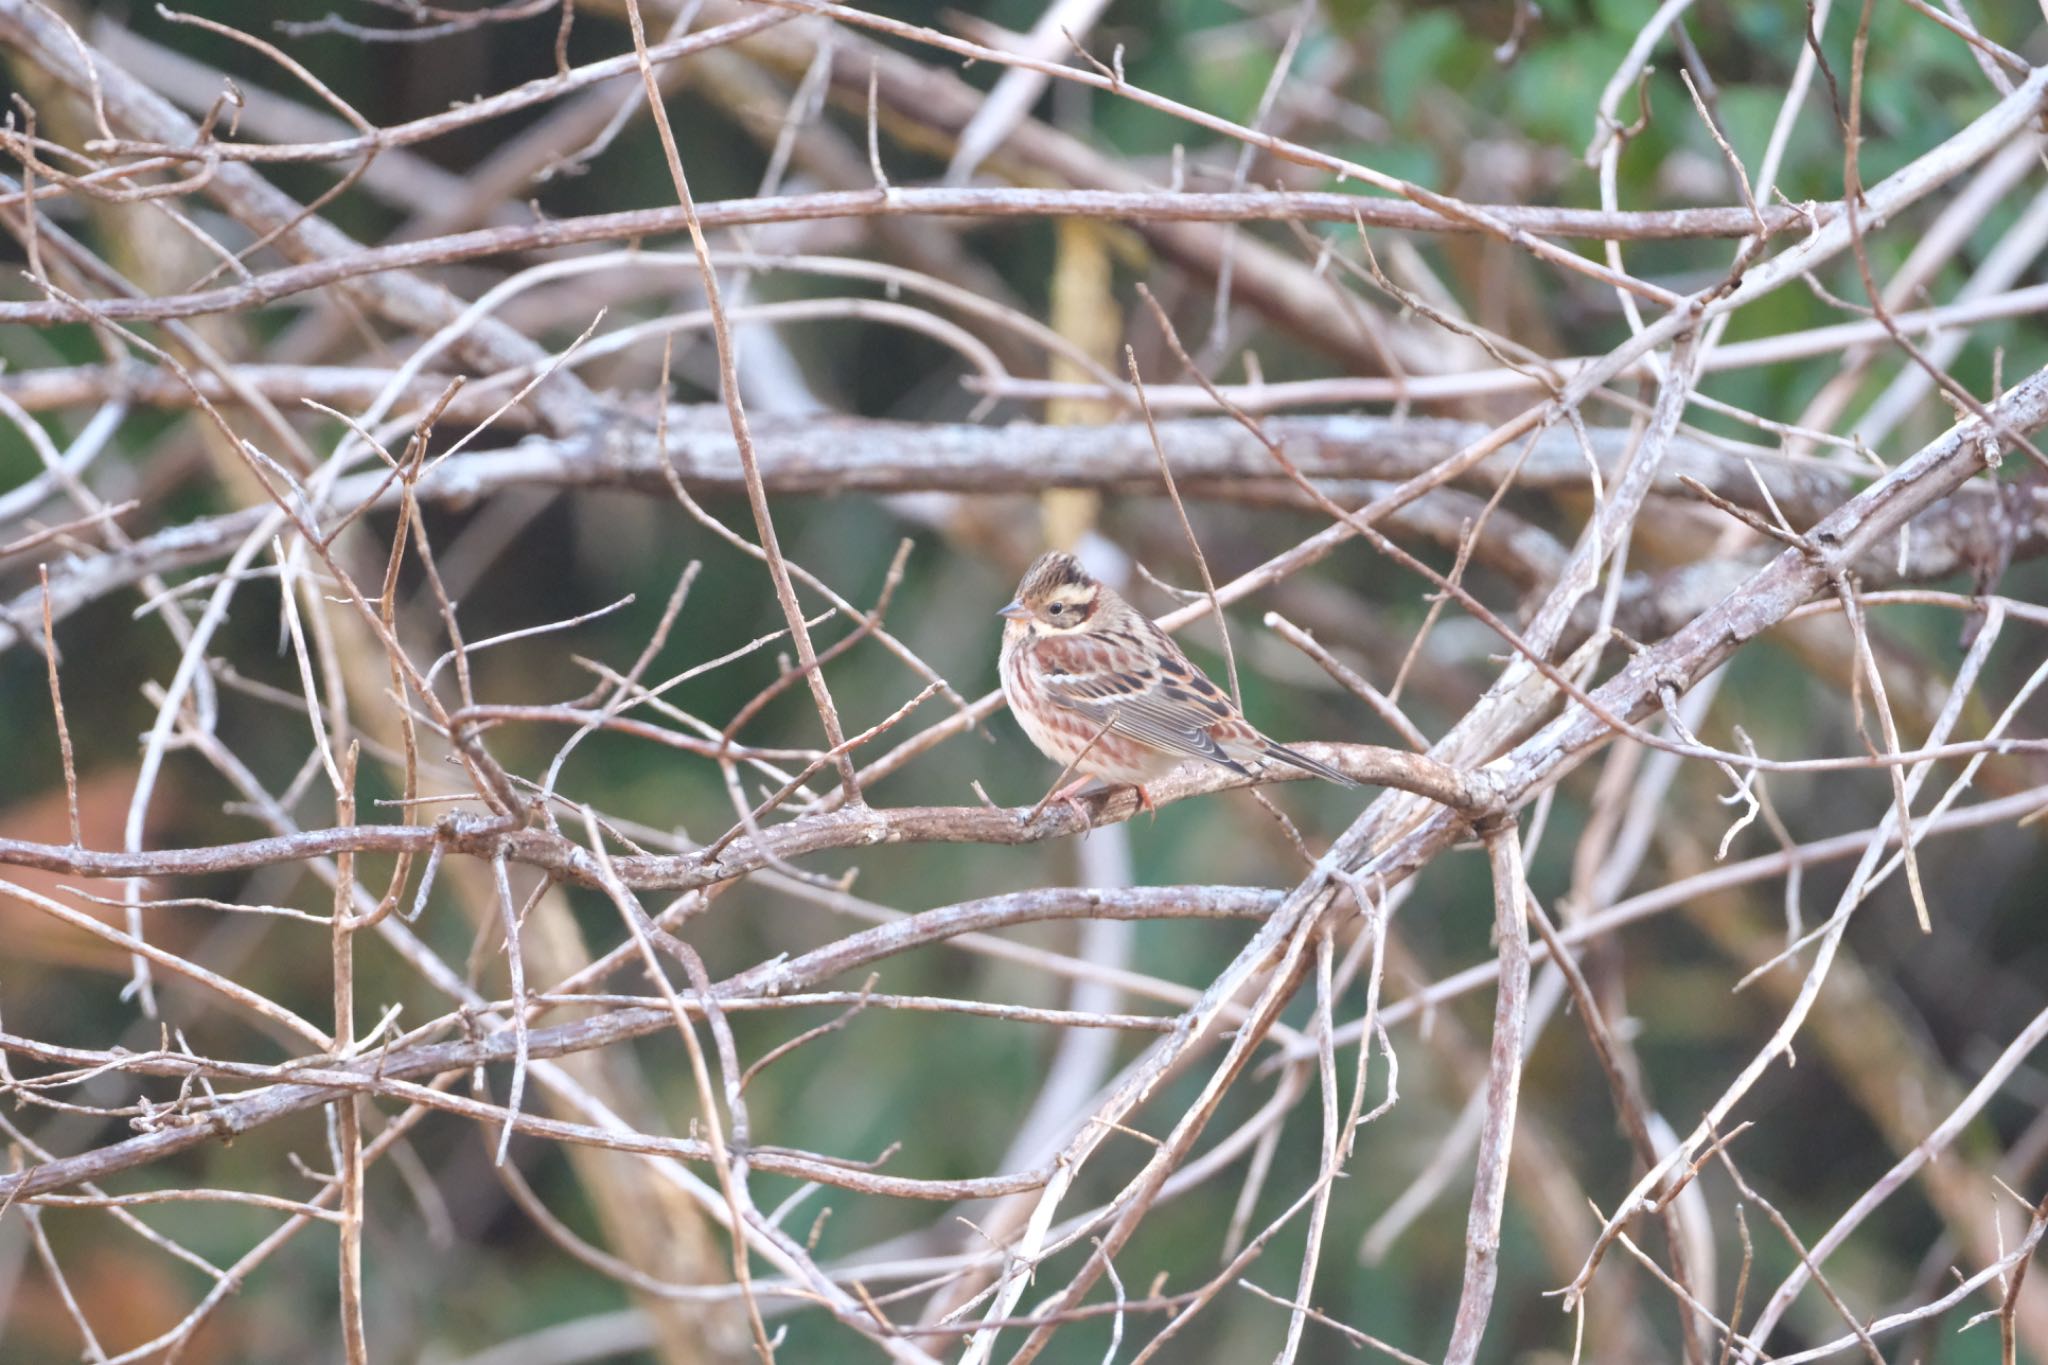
(1058, 609)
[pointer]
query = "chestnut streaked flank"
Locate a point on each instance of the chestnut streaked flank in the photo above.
(1079, 664)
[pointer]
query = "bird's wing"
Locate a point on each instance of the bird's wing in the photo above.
(1155, 697)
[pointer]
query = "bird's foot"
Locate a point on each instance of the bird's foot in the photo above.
(1068, 796)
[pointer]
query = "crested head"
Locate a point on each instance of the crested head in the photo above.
(1056, 594)
(1049, 573)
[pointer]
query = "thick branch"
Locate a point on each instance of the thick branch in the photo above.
(852, 827)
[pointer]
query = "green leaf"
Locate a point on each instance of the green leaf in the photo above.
(1411, 60)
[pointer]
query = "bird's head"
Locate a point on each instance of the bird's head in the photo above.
(1056, 596)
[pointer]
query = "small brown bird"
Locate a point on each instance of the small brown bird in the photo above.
(1095, 684)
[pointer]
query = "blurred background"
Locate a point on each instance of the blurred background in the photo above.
(1474, 100)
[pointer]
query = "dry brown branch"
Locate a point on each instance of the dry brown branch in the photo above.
(403, 660)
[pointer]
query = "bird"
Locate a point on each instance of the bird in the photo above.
(1099, 687)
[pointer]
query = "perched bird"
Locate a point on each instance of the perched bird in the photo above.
(1096, 685)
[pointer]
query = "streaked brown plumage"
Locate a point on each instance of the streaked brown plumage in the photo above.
(1079, 664)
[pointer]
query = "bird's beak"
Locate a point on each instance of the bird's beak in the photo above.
(1016, 611)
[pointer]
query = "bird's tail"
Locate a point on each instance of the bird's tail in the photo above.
(1307, 764)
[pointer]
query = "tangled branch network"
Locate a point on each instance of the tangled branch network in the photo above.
(497, 614)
